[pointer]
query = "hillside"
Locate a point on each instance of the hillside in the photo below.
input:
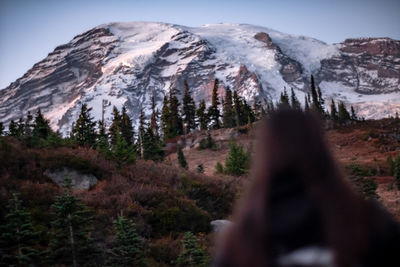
(120, 64)
(165, 200)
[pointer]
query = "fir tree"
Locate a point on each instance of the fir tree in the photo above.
(20, 127)
(248, 115)
(237, 109)
(189, 109)
(18, 239)
(175, 119)
(181, 158)
(127, 249)
(284, 99)
(334, 113)
(1, 128)
(154, 116)
(126, 127)
(294, 101)
(84, 129)
(343, 114)
(306, 104)
(141, 132)
(165, 119)
(317, 104)
(228, 118)
(353, 115)
(152, 146)
(102, 141)
(213, 110)
(115, 126)
(28, 131)
(237, 161)
(202, 115)
(41, 127)
(70, 242)
(121, 152)
(192, 255)
(13, 129)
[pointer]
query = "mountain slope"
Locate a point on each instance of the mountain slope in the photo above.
(126, 63)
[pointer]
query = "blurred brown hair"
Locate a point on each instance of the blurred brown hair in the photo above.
(298, 198)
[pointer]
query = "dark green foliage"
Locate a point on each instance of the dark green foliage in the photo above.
(357, 170)
(1, 128)
(334, 113)
(165, 118)
(181, 158)
(152, 146)
(175, 118)
(122, 153)
(154, 117)
(208, 143)
(307, 103)
(115, 126)
(228, 118)
(213, 110)
(353, 115)
(202, 115)
(200, 168)
(18, 239)
(317, 103)
(13, 129)
(392, 165)
(284, 100)
(141, 132)
(126, 127)
(343, 114)
(70, 242)
(189, 109)
(237, 162)
(102, 141)
(127, 248)
(368, 188)
(83, 131)
(397, 171)
(257, 109)
(192, 255)
(242, 111)
(219, 169)
(294, 101)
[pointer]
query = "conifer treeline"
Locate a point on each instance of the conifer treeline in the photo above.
(123, 144)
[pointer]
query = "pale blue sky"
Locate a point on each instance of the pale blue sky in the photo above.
(30, 29)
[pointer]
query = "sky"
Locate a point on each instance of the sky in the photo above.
(30, 29)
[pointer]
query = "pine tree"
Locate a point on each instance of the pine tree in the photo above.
(141, 132)
(84, 129)
(1, 128)
(102, 141)
(228, 119)
(13, 129)
(121, 152)
(127, 249)
(334, 112)
(284, 99)
(182, 159)
(202, 115)
(18, 239)
(175, 119)
(41, 127)
(248, 115)
(154, 116)
(115, 126)
(70, 241)
(237, 161)
(317, 101)
(152, 146)
(343, 114)
(306, 104)
(213, 110)
(237, 109)
(192, 255)
(353, 115)
(294, 101)
(257, 109)
(189, 109)
(126, 127)
(20, 127)
(28, 131)
(165, 119)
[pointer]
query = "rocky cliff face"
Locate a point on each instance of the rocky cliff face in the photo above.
(127, 63)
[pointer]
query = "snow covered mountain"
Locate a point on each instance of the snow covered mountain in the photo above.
(127, 63)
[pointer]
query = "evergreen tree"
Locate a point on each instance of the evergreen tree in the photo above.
(181, 158)
(392, 165)
(84, 129)
(353, 115)
(237, 161)
(228, 118)
(237, 109)
(126, 127)
(284, 99)
(257, 109)
(41, 126)
(165, 119)
(127, 248)
(141, 132)
(13, 129)
(248, 115)
(306, 104)
(102, 141)
(70, 242)
(18, 239)
(189, 109)
(343, 114)
(1, 128)
(28, 131)
(20, 127)
(152, 146)
(334, 112)
(121, 152)
(317, 103)
(192, 255)
(397, 171)
(154, 117)
(213, 110)
(115, 126)
(175, 119)
(202, 115)
(294, 101)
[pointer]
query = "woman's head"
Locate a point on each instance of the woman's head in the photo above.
(298, 197)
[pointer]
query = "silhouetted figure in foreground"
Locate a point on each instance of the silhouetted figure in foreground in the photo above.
(300, 210)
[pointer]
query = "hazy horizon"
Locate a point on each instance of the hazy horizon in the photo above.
(32, 29)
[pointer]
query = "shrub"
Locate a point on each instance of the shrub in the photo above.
(219, 169)
(208, 143)
(368, 188)
(181, 158)
(357, 170)
(237, 161)
(200, 168)
(192, 254)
